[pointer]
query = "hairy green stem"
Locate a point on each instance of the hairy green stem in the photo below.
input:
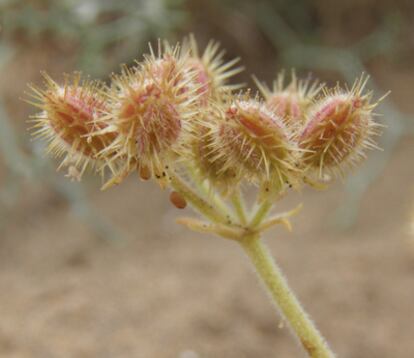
(238, 203)
(261, 213)
(201, 205)
(308, 335)
(204, 189)
(266, 268)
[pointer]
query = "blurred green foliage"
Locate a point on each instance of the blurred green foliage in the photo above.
(102, 33)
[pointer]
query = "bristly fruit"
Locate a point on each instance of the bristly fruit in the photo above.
(150, 106)
(339, 128)
(211, 72)
(175, 110)
(290, 101)
(207, 163)
(242, 139)
(70, 114)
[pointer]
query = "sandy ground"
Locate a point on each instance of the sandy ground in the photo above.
(166, 292)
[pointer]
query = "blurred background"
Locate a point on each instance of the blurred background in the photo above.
(85, 273)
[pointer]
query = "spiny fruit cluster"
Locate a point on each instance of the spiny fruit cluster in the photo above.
(175, 110)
